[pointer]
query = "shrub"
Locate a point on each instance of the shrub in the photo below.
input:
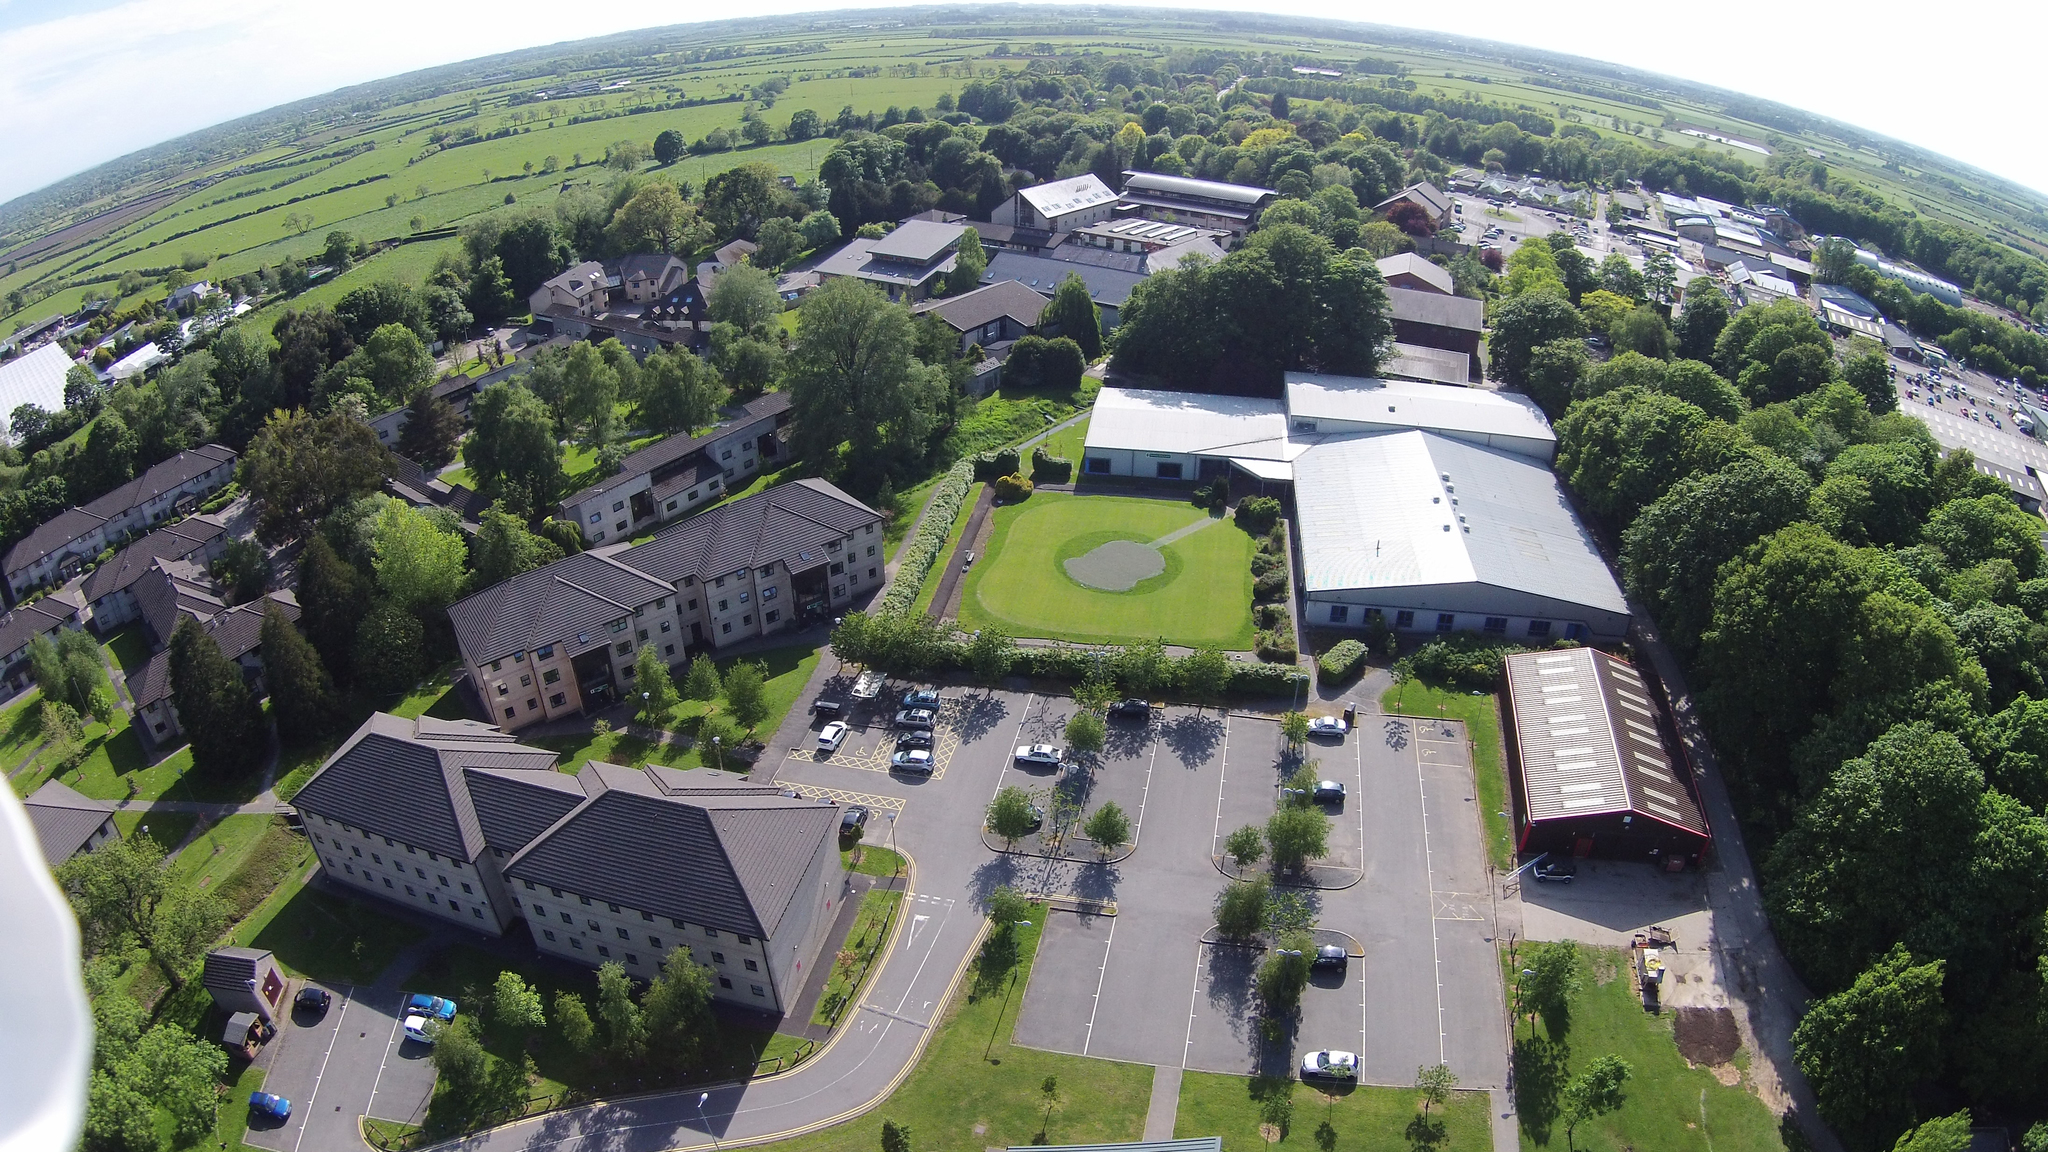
(1012, 488)
(1047, 468)
(1269, 615)
(1271, 586)
(918, 556)
(1258, 514)
(1277, 647)
(992, 466)
(1342, 661)
(1264, 562)
(1464, 660)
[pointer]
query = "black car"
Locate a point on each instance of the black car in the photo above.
(917, 738)
(854, 817)
(1332, 956)
(1328, 792)
(1561, 871)
(311, 999)
(1131, 710)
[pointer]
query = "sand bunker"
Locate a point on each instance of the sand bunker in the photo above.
(1117, 566)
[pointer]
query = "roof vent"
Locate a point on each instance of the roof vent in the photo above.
(1436, 499)
(1446, 476)
(1447, 527)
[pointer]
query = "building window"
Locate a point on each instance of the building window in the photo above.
(568, 919)
(597, 517)
(724, 604)
(526, 681)
(1539, 627)
(551, 676)
(549, 933)
(718, 957)
(725, 628)
(647, 916)
(546, 652)
(654, 942)
(618, 505)
(604, 951)
(678, 923)
(624, 647)
(724, 983)
(1167, 471)
(1495, 626)
(770, 592)
(557, 700)
(838, 568)
(753, 967)
(1445, 621)
(772, 616)
(1404, 619)
(576, 942)
(746, 939)
(467, 890)
(476, 912)
(758, 990)
(595, 926)
(1340, 613)
(511, 713)
(632, 959)
(624, 935)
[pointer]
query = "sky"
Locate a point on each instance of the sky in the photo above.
(85, 81)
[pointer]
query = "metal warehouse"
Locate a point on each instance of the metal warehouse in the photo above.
(1592, 770)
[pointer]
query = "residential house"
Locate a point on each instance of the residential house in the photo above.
(457, 391)
(993, 316)
(245, 980)
(1434, 320)
(109, 590)
(458, 821)
(169, 591)
(907, 264)
(649, 276)
(681, 474)
(1110, 288)
(1232, 208)
(1425, 196)
(24, 624)
(732, 253)
(561, 640)
(1059, 205)
(581, 290)
(1408, 270)
(56, 551)
(68, 823)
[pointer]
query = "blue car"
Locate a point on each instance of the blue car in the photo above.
(431, 1006)
(270, 1104)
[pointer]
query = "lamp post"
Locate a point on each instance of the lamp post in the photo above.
(706, 1120)
(717, 755)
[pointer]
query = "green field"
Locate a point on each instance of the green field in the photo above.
(1358, 1118)
(1203, 599)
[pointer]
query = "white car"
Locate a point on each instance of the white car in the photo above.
(1330, 1064)
(831, 736)
(1039, 754)
(1327, 726)
(416, 1029)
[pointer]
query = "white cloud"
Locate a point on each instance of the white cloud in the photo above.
(86, 87)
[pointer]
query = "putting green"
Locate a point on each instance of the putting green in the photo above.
(1022, 583)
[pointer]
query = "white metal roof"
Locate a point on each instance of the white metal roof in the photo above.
(1407, 509)
(1435, 365)
(1070, 195)
(1190, 423)
(1411, 404)
(1419, 268)
(35, 378)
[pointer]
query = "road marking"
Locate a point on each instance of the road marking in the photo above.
(841, 796)
(307, 1116)
(1138, 828)
(916, 925)
(1102, 974)
(1429, 868)
(1194, 991)
(1222, 775)
(374, 1084)
(894, 1016)
(1016, 740)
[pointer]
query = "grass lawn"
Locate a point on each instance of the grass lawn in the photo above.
(938, 570)
(873, 861)
(974, 1089)
(789, 669)
(21, 729)
(1360, 1118)
(1669, 1106)
(210, 860)
(1069, 442)
(1202, 599)
(1011, 414)
(168, 829)
(864, 938)
(115, 763)
(911, 504)
(434, 698)
(1481, 715)
(325, 937)
(129, 650)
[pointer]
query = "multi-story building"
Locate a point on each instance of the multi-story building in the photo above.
(1059, 205)
(677, 476)
(582, 290)
(907, 264)
(458, 821)
(169, 591)
(56, 550)
(562, 639)
(110, 590)
(1232, 208)
(21, 626)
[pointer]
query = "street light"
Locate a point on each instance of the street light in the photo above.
(706, 1121)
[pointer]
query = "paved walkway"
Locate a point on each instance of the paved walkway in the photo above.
(1159, 1116)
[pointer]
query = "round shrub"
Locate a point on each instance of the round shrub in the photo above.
(1012, 488)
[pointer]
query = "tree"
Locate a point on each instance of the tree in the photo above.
(969, 262)
(118, 1117)
(1296, 835)
(657, 690)
(1623, 450)
(504, 548)
(1086, 732)
(421, 566)
(513, 451)
(123, 897)
(1950, 1134)
(1866, 1048)
(1245, 846)
(1049, 1092)
(852, 379)
(1642, 330)
(745, 297)
(1241, 908)
(69, 667)
(516, 1007)
(340, 251)
(109, 456)
(1011, 814)
(803, 125)
(1053, 365)
(1071, 313)
(463, 1068)
(572, 1020)
(1284, 973)
(1550, 978)
(333, 599)
(819, 229)
(390, 650)
(63, 737)
(1532, 269)
(677, 393)
(746, 693)
(1434, 1082)
(656, 219)
(1294, 728)
(677, 1010)
(780, 241)
(1109, 826)
(396, 361)
(1674, 549)
(215, 706)
(668, 146)
(1520, 324)
(180, 1074)
(747, 363)
(1555, 373)
(1205, 674)
(1971, 531)
(625, 1029)
(895, 1137)
(432, 429)
(1594, 1092)
(302, 699)
(742, 198)
(991, 654)
(702, 681)
(298, 469)
(490, 293)
(1007, 908)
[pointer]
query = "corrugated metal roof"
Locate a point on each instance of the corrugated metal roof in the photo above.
(1070, 195)
(1586, 730)
(1410, 404)
(1161, 184)
(1408, 263)
(1147, 420)
(36, 378)
(1406, 509)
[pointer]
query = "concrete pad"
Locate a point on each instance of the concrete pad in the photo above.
(1610, 901)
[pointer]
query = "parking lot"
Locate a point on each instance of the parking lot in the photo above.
(352, 1060)
(1130, 977)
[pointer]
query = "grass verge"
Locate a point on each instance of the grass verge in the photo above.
(1352, 1118)
(950, 554)
(1481, 717)
(327, 938)
(856, 953)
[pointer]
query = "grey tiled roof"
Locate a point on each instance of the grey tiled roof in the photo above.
(405, 779)
(988, 303)
(515, 805)
(64, 820)
(158, 479)
(790, 523)
(703, 847)
(29, 621)
(174, 542)
(238, 631)
(1111, 286)
(575, 596)
(230, 969)
(664, 452)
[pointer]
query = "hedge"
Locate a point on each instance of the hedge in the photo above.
(917, 558)
(1341, 661)
(992, 466)
(1047, 468)
(1012, 488)
(1074, 664)
(1463, 660)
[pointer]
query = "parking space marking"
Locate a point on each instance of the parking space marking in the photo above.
(348, 994)
(1216, 832)
(382, 1064)
(1194, 994)
(1429, 868)
(1016, 740)
(1101, 975)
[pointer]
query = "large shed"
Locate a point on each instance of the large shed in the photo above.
(1592, 763)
